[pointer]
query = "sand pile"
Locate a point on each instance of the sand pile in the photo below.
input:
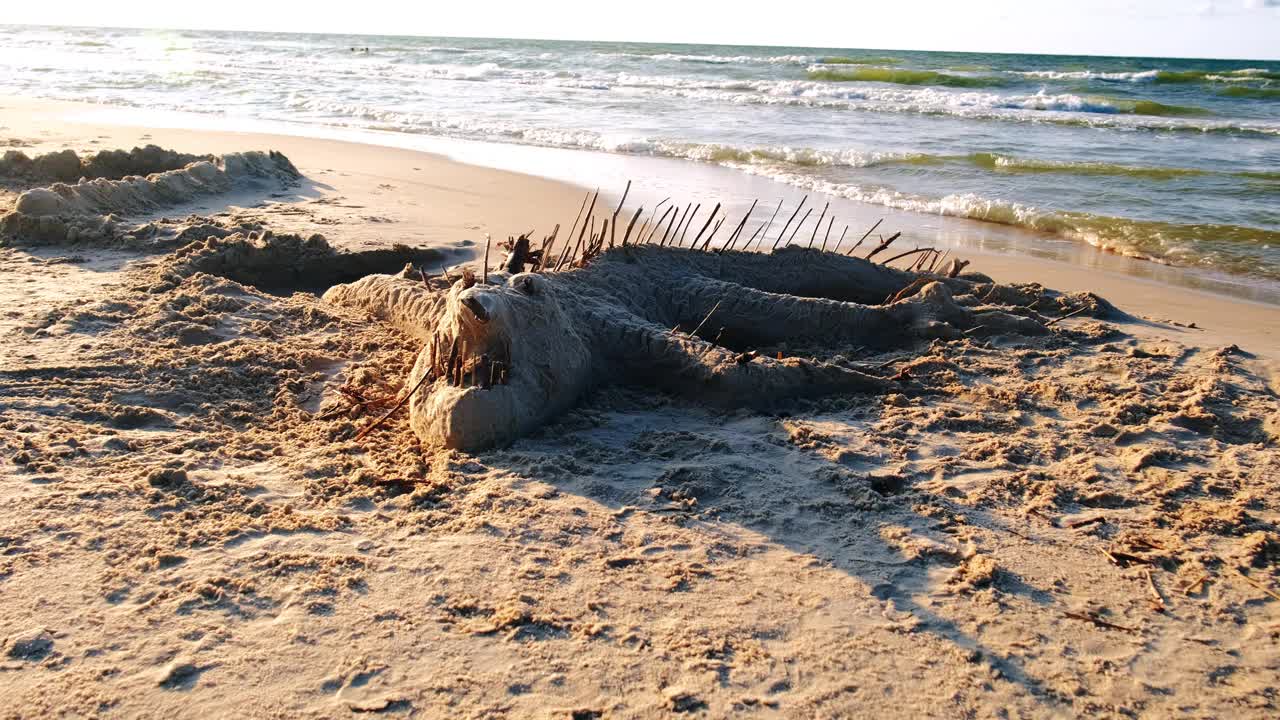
(90, 211)
(508, 353)
(68, 167)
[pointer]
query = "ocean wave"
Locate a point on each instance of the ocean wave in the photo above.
(902, 77)
(1252, 93)
(1005, 163)
(1228, 248)
(716, 59)
(1136, 76)
(1059, 109)
(1160, 77)
(1195, 76)
(842, 60)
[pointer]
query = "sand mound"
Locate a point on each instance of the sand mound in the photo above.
(289, 263)
(504, 356)
(87, 211)
(66, 166)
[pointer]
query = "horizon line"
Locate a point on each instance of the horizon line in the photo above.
(639, 42)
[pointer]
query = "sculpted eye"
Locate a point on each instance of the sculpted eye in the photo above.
(477, 308)
(526, 284)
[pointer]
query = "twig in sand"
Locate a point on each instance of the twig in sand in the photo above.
(708, 317)
(836, 249)
(765, 228)
(484, 274)
(1157, 598)
(1073, 313)
(798, 225)
(710, 217)
(1124, 559)
(818, 224)
(632, 224)
(1090, 617)
(1272, 593)
(788, 224)
(421, 381)
(907, 291)
(613, 226)
(864, 237)
(883, 244)
(738, 230)
(657, 227)
(905, 254)
(1085, 521)
(687, 223)
(1194, 586)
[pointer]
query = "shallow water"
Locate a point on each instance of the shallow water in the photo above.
(1175, 160)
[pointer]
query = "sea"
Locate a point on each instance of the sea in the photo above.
(1174, 161)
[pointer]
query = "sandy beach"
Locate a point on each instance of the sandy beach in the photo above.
(1079, 520)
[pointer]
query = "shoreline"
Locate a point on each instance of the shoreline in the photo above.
(452, 194)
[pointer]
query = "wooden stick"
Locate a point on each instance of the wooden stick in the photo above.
(738, 230)
(827, 237)
(484, 274)
(1073, 313)
(793, 217)
(665, 213)
(1274, 595)
(598, 245)
(370, 428)
(698, 237)
(626, 235)
(798, 226)
(581, 234)
(547, 244)
(617, 210)
(1157, 596)
(708, 317)
(905, 254)
(1090, 617)
(817, 226)
(765, 227)
(836, 249)
(714, 230)
(696, 208)
(671, 225)
(579, 215)
(884, 244)
(864, 237)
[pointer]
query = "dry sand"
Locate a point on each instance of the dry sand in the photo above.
(1079, 524)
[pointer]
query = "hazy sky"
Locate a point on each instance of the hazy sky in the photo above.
(1187, 28)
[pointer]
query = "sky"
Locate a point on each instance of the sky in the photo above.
(1248, 29)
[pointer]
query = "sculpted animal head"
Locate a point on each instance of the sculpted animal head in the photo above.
(505, 357)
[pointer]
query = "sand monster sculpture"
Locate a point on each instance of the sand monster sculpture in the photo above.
(505, 355)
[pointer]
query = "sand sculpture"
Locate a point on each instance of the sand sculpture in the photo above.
(506, 352)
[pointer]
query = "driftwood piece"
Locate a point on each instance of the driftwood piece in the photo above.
(788, 223)
(883, 244)
(818, 224)
(864, 237)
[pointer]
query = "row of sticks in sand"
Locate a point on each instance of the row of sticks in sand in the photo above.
(674, 225)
